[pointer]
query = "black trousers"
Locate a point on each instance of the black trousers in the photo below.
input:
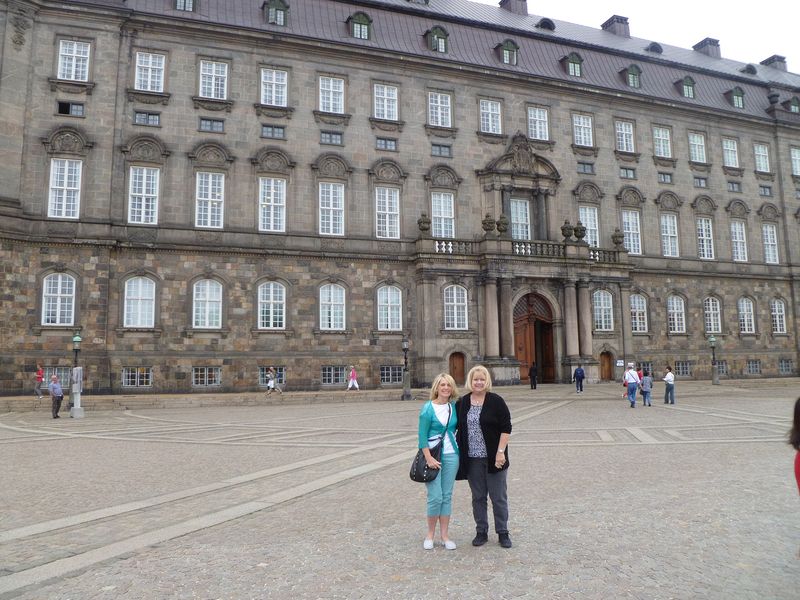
(57, 400)
(533, 383)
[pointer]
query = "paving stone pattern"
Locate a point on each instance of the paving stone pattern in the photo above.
(695, 500)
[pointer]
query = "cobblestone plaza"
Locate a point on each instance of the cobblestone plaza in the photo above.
(302, 500)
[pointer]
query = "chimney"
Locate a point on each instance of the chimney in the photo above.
(518, 7)
(618, 26)
(709, 47)
(776, 62)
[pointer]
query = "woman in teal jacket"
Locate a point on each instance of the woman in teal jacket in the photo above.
(437, 418)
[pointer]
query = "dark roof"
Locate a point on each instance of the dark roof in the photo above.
(475, 30)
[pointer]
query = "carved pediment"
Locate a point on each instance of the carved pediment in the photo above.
(442, 176)
(210, 154)
(704, 205)
(145, 148)
(668, 201)
(273, 160)
(586, 191)
(769, 212)
(737, 209)
(387, 171)
(630, 196)
(521, 159)
(332, 165)
(67, 140)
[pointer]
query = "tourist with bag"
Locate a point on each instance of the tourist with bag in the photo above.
(437, 428)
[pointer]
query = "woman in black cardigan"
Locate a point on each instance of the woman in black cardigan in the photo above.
(484, 428)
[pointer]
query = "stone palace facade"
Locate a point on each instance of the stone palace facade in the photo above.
(203, 189)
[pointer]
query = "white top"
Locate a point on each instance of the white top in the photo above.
(669, 377)
(441, 414)
(631, 376)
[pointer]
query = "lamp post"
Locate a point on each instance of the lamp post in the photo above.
(76, 412)
(406, 373)
(712, 343)
(76, 347)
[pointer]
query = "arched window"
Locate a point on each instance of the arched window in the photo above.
(747, 323)
(638, 313)
(687, 85)
(603, 306)
(777, 309)
(390, 308)
(634, 76)
(140, 302)
(508, 51)
(360, 26)
(207, 304)
(276, 12)
(58, 299)
(711, 315)
(676, 315)
(437, 40)
(331, 307)
(271, 305)
(737, 97)
(455, 307)
(575, 65)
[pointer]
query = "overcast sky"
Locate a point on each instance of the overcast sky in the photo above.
(747, 32)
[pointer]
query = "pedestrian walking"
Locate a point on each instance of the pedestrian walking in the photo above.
(631, 379)
(794, 440)
(578, 376)
(37, 387)
(533, 374)
(56, 395)
(647, 388)
(352, 379)
(272, 381)
(669, 391)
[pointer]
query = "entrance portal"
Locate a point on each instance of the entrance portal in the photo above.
(456, 367)
(606, 366)
(533, 337)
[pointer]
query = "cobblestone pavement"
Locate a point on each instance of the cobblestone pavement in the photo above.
(695, 500)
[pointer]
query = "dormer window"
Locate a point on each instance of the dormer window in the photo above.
(276, 12)
(546, 24)
(794, 105)
(360, 26)
(687, 86)
(437, 40)
(655, 48)
(185, 5)
(633, 76)
(508, 52)
(736, 97)
(573, 64)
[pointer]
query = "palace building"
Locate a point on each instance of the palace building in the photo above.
(202, 189)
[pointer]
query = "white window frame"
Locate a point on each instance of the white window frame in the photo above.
(385, 101)
(206, 376)
(662, 141)
(738, 240)
(777, 309)
(140, 303)
(150, 72)
(390, 308)
(73, 60)
(761, 155)
(439, 110)
(331, 208)
(65, 188)
(443, 215)
(539, 123)
(274, 87)
(588, 218)
(143, 194)
(209, 199)
(631, 231)
(272, 305)
(746, 310)
(387, 212)
(490, 117)
(331, 94)
(582, 132)
(794, 152)
(137, 377)
(455, 307)
(603, 310)
(207, 304)
(638, 313)
(676, 314)
(697, 147)
(769, 236)
(712, 317)
(705, 238)
(58, 299)
(669, 235)
(213, 82)
(520, 218)
(332, 303)
(624, 136)
(271, 204)
(730, 153)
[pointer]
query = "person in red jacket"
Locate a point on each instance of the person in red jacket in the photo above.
(794, 440)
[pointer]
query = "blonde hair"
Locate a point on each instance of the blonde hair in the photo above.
(438, 380)
(479, 369)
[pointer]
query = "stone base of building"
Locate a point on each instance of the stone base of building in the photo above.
(504, 371)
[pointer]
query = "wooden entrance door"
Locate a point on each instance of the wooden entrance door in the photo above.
(533, 337)
(456, 367)
(606, 366)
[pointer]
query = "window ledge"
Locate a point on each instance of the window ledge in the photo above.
(329, 118)
(121, 331)
(39, 329)
(542, 144)
(274, 112)
(492, 138)
(386, 125)
(629, 157)
(344, 332)
(221, 332)
(733, 171)
(441, 132)
(71, 87)
(661, 161)
(212, 104)
(764, 176)
(147, 97)
(255, 331)
(585, 150)
(699, 167)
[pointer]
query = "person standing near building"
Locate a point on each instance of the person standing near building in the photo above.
(533, 373)
(37, 388)
(352, 379)
(794, 440)
(272, 381)
(631, 379)
(669, 391)
(647, 388)
(578, 376)
(56, 395)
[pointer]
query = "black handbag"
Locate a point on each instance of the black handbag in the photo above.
(420, 471)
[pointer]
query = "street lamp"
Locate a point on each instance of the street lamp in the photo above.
(406, 373)
(76, 412)
(76, 347)
(712, 343)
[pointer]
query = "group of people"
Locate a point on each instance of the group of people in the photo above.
(642, 380)
(475, 431)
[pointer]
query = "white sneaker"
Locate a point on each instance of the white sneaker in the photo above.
(450, 545)
(427, 544)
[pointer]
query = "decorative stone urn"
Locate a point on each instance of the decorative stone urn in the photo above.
(580, 232)
(567, 230)
(617, 238)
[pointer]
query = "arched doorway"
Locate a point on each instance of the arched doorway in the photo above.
(533, 337)
(606, 366)
(456, 367)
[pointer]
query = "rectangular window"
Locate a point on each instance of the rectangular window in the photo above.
(765, 190)
(331, 375)
(391, 374)
(490, 117)
(683, 368)
(147, 118)
(734, 186)
(676, 315)
(276, 15)
(333, 138)
(662, 142)
(669, 234)
(137, 376)
(730, 153)
(387, 212)
(705, 239)
(538, 123)
(213, 79)
(630, 229)
(389, 144)
(185, 5)
(280, 375)
(769, 235)
(738, 241)
(582, 130)
(664, 177)
(786, 366)
(385, 102)
(701, 182)
(72, 109)
(331, 208)
(722, 367)
(753, 366)
(271, 204)
(206, 376)
(574, 68)
(697, 147)
(520, 219)
(443, 219)
(439, 110)
(143, 196)
(275, 132)
(212, 125)
(795, 156)
(624, 131)
(586, 168)
(441, 150)
(588, 217)
(761, 152)
(65, 188)
(73, 60)
(390, 308)
(274, 83)
(209, 199)
(331, 95)
(626, 173)
(149, 72)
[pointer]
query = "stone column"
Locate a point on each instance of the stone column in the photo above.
(570, 318)
(585, 318)
(506, 320)
(491, 319)
(625, 320)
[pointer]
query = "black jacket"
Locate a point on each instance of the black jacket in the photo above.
(495, 420)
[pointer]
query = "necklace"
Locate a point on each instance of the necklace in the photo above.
(474, 402)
